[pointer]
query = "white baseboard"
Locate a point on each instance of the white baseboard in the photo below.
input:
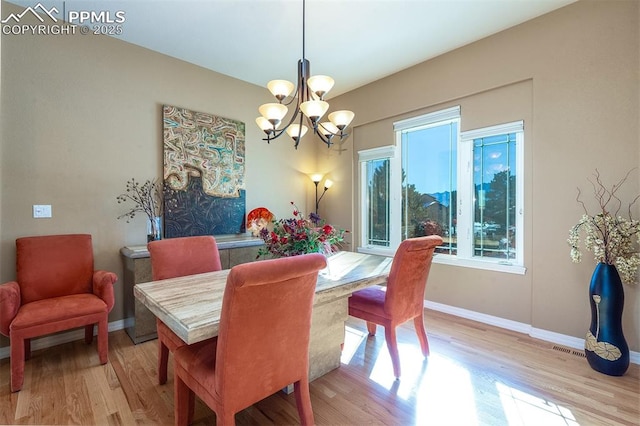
(69, 336)
(549, 336)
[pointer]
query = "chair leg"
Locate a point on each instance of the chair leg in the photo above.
(392, 345)
(371, 328)
(27, 349)
(225, 418)
(422, 334)
(163, 361)
(103, 340)
(88, 334)
(17, 363)
(183, 402)
(303, 402)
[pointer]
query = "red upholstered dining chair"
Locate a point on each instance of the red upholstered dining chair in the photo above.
(403, 297)
(56, 289)
(178, 257)
(262, 344)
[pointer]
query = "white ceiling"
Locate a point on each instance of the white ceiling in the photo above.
(354, 41)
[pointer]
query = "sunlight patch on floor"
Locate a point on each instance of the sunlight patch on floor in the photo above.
(444, 392)
(413, 366)
(449, 391)
(524, 409)
(352, 340)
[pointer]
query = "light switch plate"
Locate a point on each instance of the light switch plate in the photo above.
(41, 210)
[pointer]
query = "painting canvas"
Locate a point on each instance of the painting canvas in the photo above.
(204, 189)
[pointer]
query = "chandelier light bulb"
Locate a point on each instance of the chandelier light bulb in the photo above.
(314, 110)
(328, 129)
(295, 129)
(273, 112)
(341, 119)
(280, 88)
(265, 124)
(320, 85)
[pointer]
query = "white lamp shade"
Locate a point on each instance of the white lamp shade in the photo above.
(320, 84)
(316, 177)
(314, 109)
(273, 111)
(280, 88)
(295, 129)
(327, 128)
(264, 124)
(342, 118)
(328, 183)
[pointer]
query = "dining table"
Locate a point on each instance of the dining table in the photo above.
(191, 305)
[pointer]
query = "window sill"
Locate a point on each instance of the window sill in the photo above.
(379, 251)
(444, 259)
(497, 266)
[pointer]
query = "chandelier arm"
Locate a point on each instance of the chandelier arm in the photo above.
(320, 136)
(327, 130)
(299, 132)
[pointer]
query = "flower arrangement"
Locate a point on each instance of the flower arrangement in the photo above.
(300, 235)
(607, 234)
(147, 199)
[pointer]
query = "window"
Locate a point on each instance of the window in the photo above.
(464, 186)
(376, 195)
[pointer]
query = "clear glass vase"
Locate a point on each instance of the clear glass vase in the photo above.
(154, 228)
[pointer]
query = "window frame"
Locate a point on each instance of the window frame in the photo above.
(364, 156)
(465, 198)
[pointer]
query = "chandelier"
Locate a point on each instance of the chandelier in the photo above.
(310, 106)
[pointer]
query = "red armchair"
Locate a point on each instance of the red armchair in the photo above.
(403, 297)
(262, 344)
(56, 289)
(178, 257)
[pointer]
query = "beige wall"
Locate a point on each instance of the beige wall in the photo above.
(82, 115)
(573, 77)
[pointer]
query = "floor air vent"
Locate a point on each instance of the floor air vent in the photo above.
(569, 351)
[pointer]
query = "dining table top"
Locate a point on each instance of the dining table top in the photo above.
(191, 305)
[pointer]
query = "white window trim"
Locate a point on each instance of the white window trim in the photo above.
(464, 258)
(382, 153)
(465, 196)
(427, 119)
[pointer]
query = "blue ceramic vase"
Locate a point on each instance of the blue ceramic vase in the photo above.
(605, 346)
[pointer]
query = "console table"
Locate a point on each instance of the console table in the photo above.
(234, 249)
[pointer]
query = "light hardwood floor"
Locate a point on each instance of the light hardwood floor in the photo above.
(476, 375)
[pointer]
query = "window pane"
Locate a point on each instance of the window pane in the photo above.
(494, 182)
(429, 157)
(378, 174)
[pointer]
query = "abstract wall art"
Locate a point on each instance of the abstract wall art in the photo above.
(204, 189)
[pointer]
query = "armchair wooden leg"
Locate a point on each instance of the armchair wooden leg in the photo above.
(392, 345)
(303, 402)
(88, 334)
(17, 363)
(422, 334)
(103, 340)
(163, 361)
